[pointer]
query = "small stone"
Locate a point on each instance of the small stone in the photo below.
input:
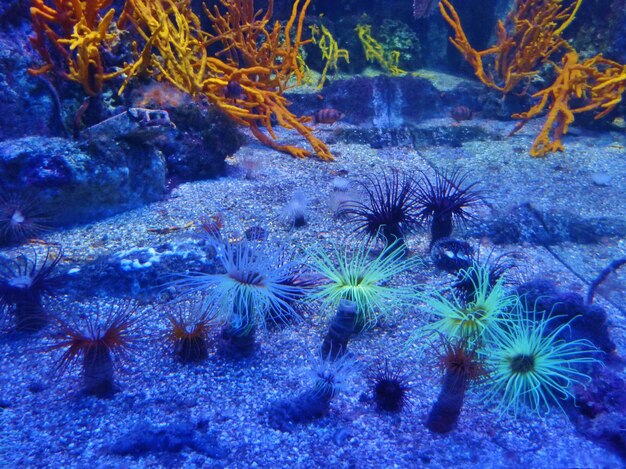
(601, 179)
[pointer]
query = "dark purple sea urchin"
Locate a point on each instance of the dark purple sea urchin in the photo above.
(445, 200)
(390, 389)
(390, 208)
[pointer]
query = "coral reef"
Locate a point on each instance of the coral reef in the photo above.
(260, 58)
(529, 38)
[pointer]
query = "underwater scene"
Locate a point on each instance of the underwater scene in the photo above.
(312, 234)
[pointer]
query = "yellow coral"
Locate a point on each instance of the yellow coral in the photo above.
(76, 30)
(331, 52)
(533, 35)
(374, 51)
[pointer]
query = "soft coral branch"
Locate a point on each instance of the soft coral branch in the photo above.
(261, 57)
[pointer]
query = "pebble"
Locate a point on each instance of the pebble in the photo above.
(601, 179)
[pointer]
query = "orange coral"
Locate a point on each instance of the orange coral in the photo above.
(78, 33)
(258, 55)
(597, 83)
(527, 38)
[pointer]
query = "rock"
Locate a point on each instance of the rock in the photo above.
(28, 103)
(588, 321)
(119, 164)
(82, 182)
(139, 272)
(599, 412)
(173, 438)
(13, 12)
(601, 179)
(380, 102)
(526, 223)
(203, 140)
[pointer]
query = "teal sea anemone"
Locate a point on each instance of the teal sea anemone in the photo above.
(532, 366)
(469, 320)
(259, 282)
(357, 276)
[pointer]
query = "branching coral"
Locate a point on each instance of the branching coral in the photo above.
(78, 31)
(596, 83)
(530, 34)
(527, 39)
(260, 56)
(374, 51)
(330, 50)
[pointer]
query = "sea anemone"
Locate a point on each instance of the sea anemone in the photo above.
(108, 334)
(488, 306)
(532, 368)
(340, 330)
(294, 214)
(494, 269)
(258, 285)
(329, 377)
(390, 211)
(299, 282)
(21, 218)
(445, 201)
(188, 331)
(24, 282)
(461, 366)
(390, 389)
(355, 276)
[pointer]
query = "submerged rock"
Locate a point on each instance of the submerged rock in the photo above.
(172, 438)
(529, 224)
(119, 164)
(587, 321)
(29, 104)
(78, 183)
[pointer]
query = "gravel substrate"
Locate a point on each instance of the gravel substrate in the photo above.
(218, 408)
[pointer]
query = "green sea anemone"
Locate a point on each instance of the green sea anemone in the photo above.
(469, 320)
(532, 366)
(359, 277)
